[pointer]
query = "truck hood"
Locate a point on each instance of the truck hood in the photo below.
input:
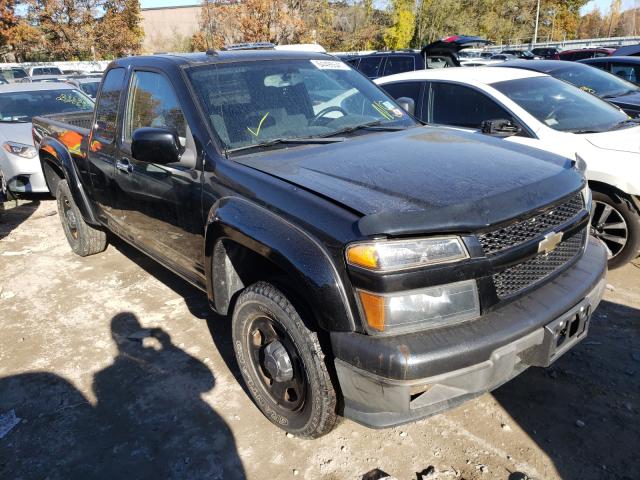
(623, 140)
(16, 132)
(424, 179)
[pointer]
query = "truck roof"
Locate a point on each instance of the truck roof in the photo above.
(221, 56)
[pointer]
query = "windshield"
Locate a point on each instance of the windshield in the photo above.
(251, 103)
(562, 106)
(595, 81)
(90, 88)
(23, 106)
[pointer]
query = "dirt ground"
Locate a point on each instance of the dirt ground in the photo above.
(117, 370)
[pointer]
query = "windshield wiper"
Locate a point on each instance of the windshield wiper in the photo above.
(374, 125)
(623, 123)
(286, 141)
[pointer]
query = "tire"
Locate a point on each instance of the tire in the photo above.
(263, 321)
(84, 239)
(5, 194)
(617, 224)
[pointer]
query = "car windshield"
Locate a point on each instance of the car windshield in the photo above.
(595, 81)
(90, 88)
(253, 103)
(562, 106)
(23, 106)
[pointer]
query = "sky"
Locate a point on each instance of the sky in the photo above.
(603, 5)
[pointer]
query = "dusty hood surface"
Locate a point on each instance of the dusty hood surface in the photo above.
(424, 179)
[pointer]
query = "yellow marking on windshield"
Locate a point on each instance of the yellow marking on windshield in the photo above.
(382, 111)
(257, 131)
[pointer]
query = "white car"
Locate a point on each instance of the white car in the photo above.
(20, 170)
(535, 109)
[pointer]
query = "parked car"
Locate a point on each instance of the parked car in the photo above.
(627, 51)
(548, 53)
(19, 103)
(521, 54)
(627, 68)
(38, 70)
(88, 85)
(438, 54)
(611, 88)
(14, 74)
(582, 53)
(534, 109)
(502, 57)
(352, 250)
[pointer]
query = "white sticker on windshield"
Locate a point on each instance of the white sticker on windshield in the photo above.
(330, 65)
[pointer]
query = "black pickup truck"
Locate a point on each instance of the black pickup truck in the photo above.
(371, 267)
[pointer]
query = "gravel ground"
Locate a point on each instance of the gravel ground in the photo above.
(117, 370)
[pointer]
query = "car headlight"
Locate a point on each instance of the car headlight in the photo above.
(420, 309)
(394, 255)
(20, 149)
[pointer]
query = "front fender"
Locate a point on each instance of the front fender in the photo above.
(54, 151)
(308, 264)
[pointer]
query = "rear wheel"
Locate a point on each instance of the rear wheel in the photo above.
(83, 238)
(5, 193)
(617, 224)
(282, 364)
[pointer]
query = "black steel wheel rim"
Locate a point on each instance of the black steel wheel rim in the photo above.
(70, 218)
(609, 225)
(286, 388)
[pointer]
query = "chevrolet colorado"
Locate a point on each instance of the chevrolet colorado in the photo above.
(371, 267)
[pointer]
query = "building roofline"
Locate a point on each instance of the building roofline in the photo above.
(174, 7)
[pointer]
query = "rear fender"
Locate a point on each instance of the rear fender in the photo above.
(310, 271)
(56, 153)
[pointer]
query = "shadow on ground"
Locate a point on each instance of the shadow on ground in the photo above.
(12, 216)
(583, 411)
(149, 420)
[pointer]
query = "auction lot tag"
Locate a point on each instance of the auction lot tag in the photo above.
(329, 65)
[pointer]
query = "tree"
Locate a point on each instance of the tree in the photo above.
(400, 33)
(7, 20)
(118, 31)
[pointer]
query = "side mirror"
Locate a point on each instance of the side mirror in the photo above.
(155, 145)
(500, 128)
(407, 104)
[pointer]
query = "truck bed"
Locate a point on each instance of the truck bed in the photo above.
(77, 121)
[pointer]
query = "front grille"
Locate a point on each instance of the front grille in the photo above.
(528, 273)
(529, 228)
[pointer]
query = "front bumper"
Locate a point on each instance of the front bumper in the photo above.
(23, 175)
(386, 381)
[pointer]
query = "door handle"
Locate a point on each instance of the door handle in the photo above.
(124, 165)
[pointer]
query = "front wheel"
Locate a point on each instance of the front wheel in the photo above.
(83, 238)
(282, 364)
(617, 224)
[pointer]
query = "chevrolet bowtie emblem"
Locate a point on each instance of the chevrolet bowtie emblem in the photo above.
(550, 242)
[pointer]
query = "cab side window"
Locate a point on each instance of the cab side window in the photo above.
(107, 108)
(405, 89)
(627, 71)
(152, 102)
(462, 106)
(399, 64)
(371, 65)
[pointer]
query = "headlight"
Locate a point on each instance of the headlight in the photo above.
(420, 309)
(393, 255)
(20, 149)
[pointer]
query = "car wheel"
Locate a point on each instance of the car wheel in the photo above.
(5, 193)
(83, 238)
(282, 363)
(617, 224)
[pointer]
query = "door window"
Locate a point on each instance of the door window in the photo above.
(370, 65)
(627, 71)
(152, 102)
(107, 109)
(462, 106)
(404, 89)
(399, 64)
